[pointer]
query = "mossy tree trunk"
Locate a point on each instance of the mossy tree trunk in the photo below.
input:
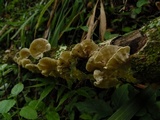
(145, 51)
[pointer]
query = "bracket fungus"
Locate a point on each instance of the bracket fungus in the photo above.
(103, 62)
(24, 53)
(25, 61)
(77, 51)
(100, 58)
(84, 49)
(64, 61)
(105, 79)
(118, 58)
(32, 67)
(48, 66)
(38, 47)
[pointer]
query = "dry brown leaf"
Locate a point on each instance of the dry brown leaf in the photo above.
(91, 22)
(54, 7)
(103, 22)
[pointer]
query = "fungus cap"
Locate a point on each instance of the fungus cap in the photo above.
(88, 46)
(25, 61)
(38, 47)
(117, 59)
(100, 58)
(24, 53)
(64, 60)
(47, 65)
(32, 67)
(66, 57)
(77, 51)
(105, 79)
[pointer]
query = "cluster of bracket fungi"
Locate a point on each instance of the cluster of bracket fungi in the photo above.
(104, 63)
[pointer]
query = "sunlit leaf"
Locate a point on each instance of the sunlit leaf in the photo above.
(2, 67)
(33, 104)
(7, 116)
(6, 105)
(28, 113)
(52, 115)
(17, 89)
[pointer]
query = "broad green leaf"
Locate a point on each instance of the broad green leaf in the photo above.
(86, 92)
(96, 106)
(65, 97)
(129, 109)
(45, 92)
(33, 104)
(28, 113)
(84, 28)
(120, 96)
(109, 36)
(140, 3)
(146, 117)
(137, 10)
(86, 117)
(17, 89)
(6, 105)
(7, 116)
(52, 115)
(126, 29)
(2, 67)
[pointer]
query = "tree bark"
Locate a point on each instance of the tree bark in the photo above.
(145, 51)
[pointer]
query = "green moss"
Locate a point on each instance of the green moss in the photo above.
(146, 65)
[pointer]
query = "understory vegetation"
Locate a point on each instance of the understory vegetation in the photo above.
(64, 23)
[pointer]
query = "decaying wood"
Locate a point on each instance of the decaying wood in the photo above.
(145, 51)
(135, 40)
(107, 65)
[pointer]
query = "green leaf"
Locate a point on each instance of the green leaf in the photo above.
(2, 67)
(7, 116)
(45, 92)
(146, 117)
(86, 117)
(6, 105)
(65, 97)
(28, 112)
(140, 3)
(17, 89)
(86, 92)
(126, 29)
(42, 12)
(84, 28)
(120, 96)
(108, 35)
(33, 104)
(136, 11)
(95, 106)
(24, 24)
(129, 109)
(52, 115)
